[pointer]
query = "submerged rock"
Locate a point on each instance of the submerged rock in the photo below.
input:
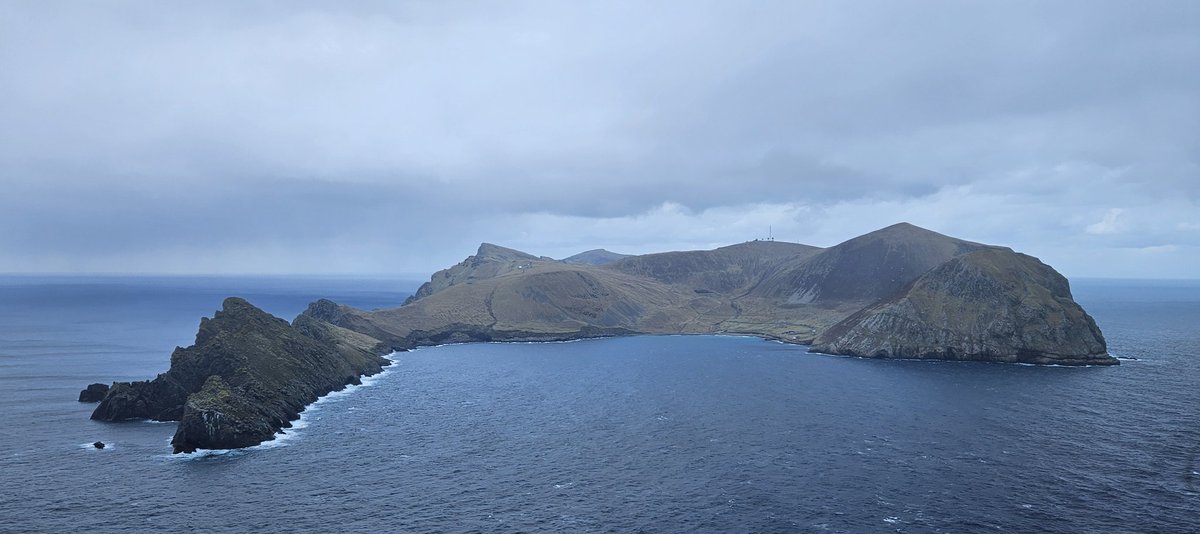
(98, 444)
(93, 393)
(988, 305)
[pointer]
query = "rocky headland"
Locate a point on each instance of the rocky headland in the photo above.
(988, 305)
(899, 292)
(247, 376)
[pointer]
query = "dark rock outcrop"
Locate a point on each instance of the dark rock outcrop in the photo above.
(988, 305)
(98, 445)
(253, 373)
(220, 417)
(160, 399)
(93, 393)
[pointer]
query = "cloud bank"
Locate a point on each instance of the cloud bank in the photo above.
(391, 138)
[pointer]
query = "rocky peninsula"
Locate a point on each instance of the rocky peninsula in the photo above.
(247, 376)
(898, 292)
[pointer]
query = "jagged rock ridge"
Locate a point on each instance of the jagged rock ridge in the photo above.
(267, 370)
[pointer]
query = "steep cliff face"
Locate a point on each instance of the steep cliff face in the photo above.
(990, 305)
(268, 371)
(221, 417)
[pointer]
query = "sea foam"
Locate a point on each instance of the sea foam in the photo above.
(287, 435)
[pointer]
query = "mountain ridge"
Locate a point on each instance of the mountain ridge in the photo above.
(777, 290)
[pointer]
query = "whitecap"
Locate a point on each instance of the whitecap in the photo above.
(287, 434)
(200, 454)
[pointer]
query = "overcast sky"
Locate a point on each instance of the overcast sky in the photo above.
(392, 138)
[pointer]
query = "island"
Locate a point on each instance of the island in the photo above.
(898, 292)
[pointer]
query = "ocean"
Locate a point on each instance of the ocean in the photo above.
(654, 434)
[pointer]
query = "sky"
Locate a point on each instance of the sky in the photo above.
(392, 138)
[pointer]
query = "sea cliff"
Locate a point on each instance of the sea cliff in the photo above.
(247, 376)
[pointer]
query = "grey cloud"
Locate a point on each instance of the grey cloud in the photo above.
(133, 128)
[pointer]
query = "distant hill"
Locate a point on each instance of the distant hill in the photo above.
(596, 256)
(864, 269)
(786, 291)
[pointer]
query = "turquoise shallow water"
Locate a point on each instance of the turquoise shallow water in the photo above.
(645, 433)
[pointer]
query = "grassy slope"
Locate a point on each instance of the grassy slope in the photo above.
(771, 289)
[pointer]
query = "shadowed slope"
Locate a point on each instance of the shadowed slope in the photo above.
(991, 304)
(864, 269)
(732, 269)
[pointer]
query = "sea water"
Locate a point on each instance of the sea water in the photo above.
(663, 434)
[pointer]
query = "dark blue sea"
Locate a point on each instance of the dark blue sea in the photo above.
(654, 434)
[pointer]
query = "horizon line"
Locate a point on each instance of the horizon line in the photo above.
(398, 276)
